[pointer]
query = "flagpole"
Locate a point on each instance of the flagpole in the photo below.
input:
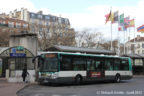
(124, 42)
(134, 39)
(129, 40)
(111, 30)
(129, 33)
(118, 44)
(111, 36)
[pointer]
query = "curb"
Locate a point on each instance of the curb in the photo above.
(138, 75)
(21, 89)
(25, 87)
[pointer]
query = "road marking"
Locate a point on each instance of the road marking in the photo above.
(39, 95)
(55, 95)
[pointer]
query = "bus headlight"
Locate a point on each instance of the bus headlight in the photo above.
(54, 76)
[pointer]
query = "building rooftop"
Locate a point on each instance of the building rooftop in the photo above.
(137, 39)
(61, 48)
(134, 56)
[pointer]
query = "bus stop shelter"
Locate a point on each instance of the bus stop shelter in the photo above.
(60, 48)
(12, 62)
(137, 62)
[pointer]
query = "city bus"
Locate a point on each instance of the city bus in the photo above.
(61, 67)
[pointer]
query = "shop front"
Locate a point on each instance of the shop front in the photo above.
(12, 62)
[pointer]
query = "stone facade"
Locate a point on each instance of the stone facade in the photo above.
(135, 46)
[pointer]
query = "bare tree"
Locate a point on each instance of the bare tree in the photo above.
(88, 38)
(56, 34)
(4, 37)
(107, 45)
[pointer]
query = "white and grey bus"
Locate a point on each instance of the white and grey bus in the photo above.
(72, 67)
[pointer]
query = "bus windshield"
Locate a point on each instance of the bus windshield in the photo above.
(49, 65)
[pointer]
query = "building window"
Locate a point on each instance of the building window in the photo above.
(18, 25)
(11, 24)
(3, 22)
(54, 19)
(20, 63)
(32, 15)
(67, 21)
(63, 21)
(132, 46)
(40, 22)
(142, 45)
(138, 62)
(47, 17)
(138, 51)
(39, 16)
(59, 20)
(46, 23)
(142, 51)
(138, 46)
(25, 25)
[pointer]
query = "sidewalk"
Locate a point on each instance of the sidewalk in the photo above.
(9, 89)
(138, 75)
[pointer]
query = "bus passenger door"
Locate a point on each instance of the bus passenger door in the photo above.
(95, 68)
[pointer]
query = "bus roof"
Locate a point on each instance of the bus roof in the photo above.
(82, 54)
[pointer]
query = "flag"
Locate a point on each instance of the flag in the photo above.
(121, 27)
(126, 22)
(108, 17)
(115, 16)
(121, 20)
(132, 23)
(111, 17)
(140, 29)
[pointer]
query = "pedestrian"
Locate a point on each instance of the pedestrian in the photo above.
(24, 74)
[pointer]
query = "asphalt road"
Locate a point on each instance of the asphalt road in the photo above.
(133, 87)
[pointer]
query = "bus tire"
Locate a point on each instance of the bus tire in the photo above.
(117, 78)
(78, 79)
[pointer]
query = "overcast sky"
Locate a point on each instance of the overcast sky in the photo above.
(83, 13)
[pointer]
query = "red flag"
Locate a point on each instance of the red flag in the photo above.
(108, 17)
(119, 28)
(140, 29)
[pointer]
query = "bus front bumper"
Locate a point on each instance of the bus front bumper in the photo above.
(47, 80)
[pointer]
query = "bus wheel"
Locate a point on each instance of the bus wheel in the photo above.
(78, 79)
(117, 78)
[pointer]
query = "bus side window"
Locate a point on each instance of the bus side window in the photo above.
(116, 64)
(91, 65)
(124, 65)
(108, 64)
(66, 63)
(99, 65)
(79, 64)
(88, 64)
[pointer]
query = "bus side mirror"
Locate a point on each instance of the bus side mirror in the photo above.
(33, 60)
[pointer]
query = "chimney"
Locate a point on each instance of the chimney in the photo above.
(40, 12)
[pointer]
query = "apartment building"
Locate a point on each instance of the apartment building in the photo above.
(135, 45)
(13, 25)
(41, 23)
(50, 29)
